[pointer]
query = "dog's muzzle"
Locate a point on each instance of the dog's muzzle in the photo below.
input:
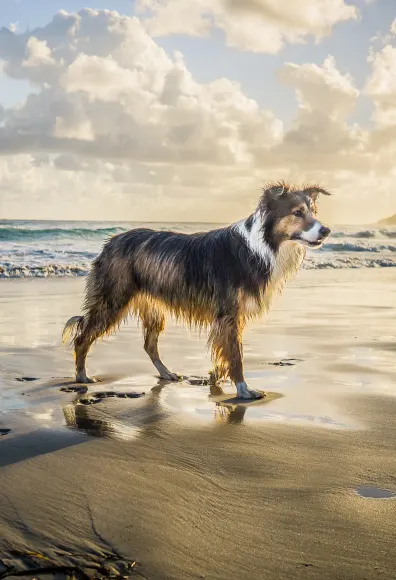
(315, 236)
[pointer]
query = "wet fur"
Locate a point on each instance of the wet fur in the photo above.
(218, 279)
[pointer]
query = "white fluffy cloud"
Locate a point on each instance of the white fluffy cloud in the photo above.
(254, 25)
(108, 90)
(116, 128)
(321, 136)
(381, 86)
(38, 53)
(322, 88)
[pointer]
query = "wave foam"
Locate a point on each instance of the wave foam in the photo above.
(73, 270)
(356, 247)
(17, 234)
(45, 271)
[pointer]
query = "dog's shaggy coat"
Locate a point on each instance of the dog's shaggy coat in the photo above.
(218, 279)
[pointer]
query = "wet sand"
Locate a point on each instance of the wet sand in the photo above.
(180, 484)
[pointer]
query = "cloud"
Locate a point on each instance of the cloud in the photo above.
(116, 128)
(108, 90)
(381, 86)
(321, 88)
(320, 136)
(253, 25)
(38, 53)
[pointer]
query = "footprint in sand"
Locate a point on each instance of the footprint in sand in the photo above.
(286, 362)
(88, 401)
(198, 381)
(4, 432)
(94, 398)
(74, 389)
(112, 394)
(26, 379)
(130, 395)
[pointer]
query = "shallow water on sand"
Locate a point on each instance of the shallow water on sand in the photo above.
(328, 336)
(375, 492)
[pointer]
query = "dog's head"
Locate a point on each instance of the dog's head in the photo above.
(291, 214)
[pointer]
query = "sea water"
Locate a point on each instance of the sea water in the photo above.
(66, 248)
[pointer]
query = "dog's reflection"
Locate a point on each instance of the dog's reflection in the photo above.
(96, 424)
(93, 420)
(85, 415)
(227, 413)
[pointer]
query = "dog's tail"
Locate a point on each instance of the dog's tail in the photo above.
(72, 326)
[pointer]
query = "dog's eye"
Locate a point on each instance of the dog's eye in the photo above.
(298, 213)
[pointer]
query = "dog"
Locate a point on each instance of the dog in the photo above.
(218, 279)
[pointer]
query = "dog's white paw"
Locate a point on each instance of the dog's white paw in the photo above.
(243, 392)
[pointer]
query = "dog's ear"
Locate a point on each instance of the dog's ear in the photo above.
(314, 190)
(275, 190)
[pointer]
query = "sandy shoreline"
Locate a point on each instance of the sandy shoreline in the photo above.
(188, 488)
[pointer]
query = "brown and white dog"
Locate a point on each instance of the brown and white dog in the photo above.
(217, 279)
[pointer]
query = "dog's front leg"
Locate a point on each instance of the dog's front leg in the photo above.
(226, 340)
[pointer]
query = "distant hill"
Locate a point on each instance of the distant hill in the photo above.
(390, 221)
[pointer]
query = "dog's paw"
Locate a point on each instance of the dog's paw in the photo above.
(251, 395)
(169, 376)
(84, 380)
(243, 392)
(257, 394)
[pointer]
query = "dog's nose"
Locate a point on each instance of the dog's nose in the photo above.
(324, 232)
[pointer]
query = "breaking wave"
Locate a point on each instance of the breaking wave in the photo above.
(14, 234)
(350, 262)
(356, 247)
(366, 234)
(55, 249)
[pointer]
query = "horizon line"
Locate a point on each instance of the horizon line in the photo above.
(3, 220)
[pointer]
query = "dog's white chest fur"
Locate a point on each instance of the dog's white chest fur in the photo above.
(286, 264)
(282, 265)
(254, 238)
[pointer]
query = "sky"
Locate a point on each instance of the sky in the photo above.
(168, 110)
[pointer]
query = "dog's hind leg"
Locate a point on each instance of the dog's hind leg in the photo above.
(226, 342)
(96, 323)
(82, 344)
(106, 306)
(153, 321)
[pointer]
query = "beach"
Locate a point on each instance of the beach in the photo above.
(182, 484)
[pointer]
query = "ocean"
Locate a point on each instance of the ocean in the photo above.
(67, 248)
